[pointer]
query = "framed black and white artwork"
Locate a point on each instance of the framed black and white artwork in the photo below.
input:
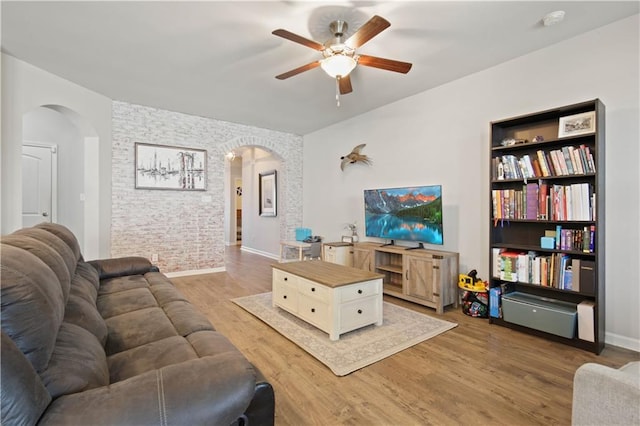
(170, 167)
(268, 193)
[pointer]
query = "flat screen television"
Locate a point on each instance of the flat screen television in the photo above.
(407, 214)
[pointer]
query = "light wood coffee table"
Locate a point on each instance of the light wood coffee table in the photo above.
(332, 297)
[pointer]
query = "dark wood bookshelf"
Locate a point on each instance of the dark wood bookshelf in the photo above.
(520, 233)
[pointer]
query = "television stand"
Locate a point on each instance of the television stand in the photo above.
(392, 244)
(428, 277)
(420, 246)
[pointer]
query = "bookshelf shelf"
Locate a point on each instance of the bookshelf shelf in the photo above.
(553, 188)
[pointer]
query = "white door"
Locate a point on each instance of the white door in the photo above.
(38, 184)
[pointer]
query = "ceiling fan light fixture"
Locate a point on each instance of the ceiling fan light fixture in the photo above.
(338, 65)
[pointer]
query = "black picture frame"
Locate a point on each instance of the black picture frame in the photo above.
(268, 190)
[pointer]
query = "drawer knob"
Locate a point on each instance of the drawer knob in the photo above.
(313, 289)
(360, 291)
(313, 309)
(359, 311)
(285, 278)
(284, 297)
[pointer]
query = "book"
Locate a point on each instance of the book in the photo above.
(495, 254)
(575, 266)
(587, 277)
(509, 266)
(543, 194)
(532, 201)
(577, 161)
(567, 160)
(567, 282)
(543, 163)
(586, 321)
(494, 301)
(556, 162)
(536, 168)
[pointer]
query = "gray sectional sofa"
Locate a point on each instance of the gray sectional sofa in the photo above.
(112, 342)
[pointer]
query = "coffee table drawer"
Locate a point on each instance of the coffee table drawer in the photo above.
(359, 313)
(358, 291)
(282, 277)
(285, 296)
(314, 290)
(314, 311)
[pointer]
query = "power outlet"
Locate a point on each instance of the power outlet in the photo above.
(154, 257)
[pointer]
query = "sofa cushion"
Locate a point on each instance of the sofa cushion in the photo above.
(31, 303)
(186, 319)
(85, 314)
(52, 241)
(122, 302)
(83, 288)
(137, 328)
(47, 254)
(209, 343)
(151, 356)
(127, 282)
(78, 362)
(64, 234)
(89, 273)
(165, 293)
(28, 398)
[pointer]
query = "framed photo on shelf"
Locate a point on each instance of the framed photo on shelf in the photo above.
(577, 124)
(268, 193)
(170, 167)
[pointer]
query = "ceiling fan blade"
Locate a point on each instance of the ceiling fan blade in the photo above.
(369, 30)
(298, 39)
(298, 70)
(385, 64)
(344, 83)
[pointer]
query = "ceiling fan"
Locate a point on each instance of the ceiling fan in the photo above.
(339, 55)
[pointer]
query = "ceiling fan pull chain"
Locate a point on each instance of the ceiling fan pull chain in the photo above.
(338, 91)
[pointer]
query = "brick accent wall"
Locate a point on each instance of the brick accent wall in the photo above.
(186, 228)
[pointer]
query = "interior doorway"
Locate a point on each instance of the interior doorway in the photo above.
(39, 183)
(238, 208)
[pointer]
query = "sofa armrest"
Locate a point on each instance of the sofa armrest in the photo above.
(605, 395)
(210, 390)
(262, 409)
(122, 266)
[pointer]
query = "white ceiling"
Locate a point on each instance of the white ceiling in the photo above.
(218, 58)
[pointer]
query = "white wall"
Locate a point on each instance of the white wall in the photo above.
(258, 231)
(49, 127)
(25, 88)
(442, 137)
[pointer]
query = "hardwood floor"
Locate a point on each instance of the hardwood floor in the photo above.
(473, 374)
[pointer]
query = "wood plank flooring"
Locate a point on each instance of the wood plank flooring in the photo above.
(474, 374)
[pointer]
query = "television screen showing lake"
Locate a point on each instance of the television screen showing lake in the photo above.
(402, 228)
(409, 213)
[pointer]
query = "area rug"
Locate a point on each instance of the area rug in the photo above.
(401, 329)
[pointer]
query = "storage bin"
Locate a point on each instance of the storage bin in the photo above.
(302, 233)
(540, 313)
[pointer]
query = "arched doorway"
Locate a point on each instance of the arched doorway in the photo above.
(258, 154)
(76, 143)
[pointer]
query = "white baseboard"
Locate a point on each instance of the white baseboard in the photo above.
(259, 252)
(195, 272)
(622, 341)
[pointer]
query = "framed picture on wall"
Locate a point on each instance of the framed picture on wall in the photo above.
(268, 193)
(170, 167)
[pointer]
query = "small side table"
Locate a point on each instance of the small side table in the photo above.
(293, 244)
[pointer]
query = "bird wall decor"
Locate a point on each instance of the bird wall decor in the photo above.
(355, 157)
